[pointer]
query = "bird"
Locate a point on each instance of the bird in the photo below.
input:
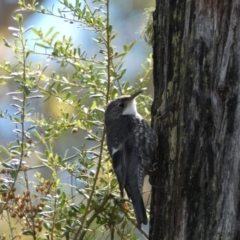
(131, 144)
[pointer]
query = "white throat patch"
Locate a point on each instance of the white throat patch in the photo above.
(131, 109)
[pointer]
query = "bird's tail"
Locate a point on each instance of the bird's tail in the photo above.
(139, 209)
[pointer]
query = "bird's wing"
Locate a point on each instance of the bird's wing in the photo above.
(117, 136)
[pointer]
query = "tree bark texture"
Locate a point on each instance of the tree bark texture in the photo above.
(196, 187)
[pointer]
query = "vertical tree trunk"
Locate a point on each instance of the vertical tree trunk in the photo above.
(196, 189)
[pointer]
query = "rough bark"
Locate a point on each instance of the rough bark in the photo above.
(196, 188)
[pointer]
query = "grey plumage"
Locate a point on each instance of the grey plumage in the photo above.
(131, 143)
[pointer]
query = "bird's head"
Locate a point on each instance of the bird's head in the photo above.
(123, 105)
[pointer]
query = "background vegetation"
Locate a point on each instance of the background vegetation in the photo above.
(56, 178)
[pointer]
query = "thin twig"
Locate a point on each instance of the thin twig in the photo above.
(103, 134)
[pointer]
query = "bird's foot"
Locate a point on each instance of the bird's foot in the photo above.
(153, 173)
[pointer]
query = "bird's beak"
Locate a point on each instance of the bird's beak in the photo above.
(134, 95)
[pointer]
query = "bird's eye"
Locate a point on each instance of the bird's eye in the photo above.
(121, 105)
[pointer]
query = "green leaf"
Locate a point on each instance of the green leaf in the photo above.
(6, 43)
(28, 232)
(42, 9)
(26, 90)
(19, 19)
(6, 165)
(93, 106)
(49, 31)
(35, 31)
(42, 45)
(58, 226)
(113, 183)
(4, 150)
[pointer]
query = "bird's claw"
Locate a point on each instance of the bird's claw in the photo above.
(153, 173)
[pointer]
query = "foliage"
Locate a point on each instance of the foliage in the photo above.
(41, 208)
(147, 29)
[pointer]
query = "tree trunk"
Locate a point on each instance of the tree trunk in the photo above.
(196, 187)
